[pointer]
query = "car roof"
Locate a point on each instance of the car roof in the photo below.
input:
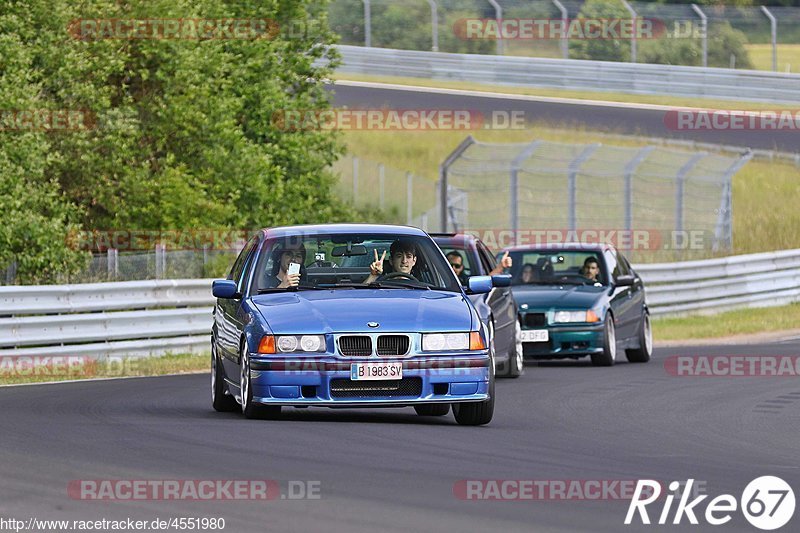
(331, 229)
(454, 239)
(589, 246)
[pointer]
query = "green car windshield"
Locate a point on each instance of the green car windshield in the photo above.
(557, 267)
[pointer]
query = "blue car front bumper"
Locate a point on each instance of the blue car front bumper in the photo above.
(325, 381)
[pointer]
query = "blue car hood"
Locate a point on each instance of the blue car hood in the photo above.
(349, 310)
(562, 296)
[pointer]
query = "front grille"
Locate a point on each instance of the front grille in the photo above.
(345, 388)
(393, 344)
(355, 345)
(533, 320)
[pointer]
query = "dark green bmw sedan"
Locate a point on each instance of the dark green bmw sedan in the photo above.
(578, 300)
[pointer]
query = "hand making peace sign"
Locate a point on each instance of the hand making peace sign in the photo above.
(376, 268)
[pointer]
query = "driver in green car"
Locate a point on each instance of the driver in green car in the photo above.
(591, 269)
(402, 257)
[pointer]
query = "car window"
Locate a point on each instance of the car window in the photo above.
(548, 267)
(239, 264)
(333, 261)
(486, 258)
(625, 266)
(612, 264)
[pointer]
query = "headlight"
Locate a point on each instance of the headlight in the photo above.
(562, 317)
(300, 343)
(436, 342)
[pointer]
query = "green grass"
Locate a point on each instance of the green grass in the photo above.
(765, 194)
(788, 57)
(739, 322)
(706, 103)
(75, 368)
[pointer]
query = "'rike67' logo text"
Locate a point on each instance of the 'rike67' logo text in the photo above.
(767, 503)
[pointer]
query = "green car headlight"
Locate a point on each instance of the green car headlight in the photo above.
(565, 317)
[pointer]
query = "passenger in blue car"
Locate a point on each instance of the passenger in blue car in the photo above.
(284, 255)
(402, 258)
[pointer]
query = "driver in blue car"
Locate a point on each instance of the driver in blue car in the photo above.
(402, 258)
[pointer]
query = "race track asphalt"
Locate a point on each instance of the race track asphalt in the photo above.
(390, 470)
(610, 118)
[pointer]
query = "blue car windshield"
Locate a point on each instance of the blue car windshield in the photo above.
(558, 267)
(346, 261)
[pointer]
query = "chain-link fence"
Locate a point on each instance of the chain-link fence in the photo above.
(159, 263)
(656, 202)
(677, 204)
(684, 34)
(403, 197)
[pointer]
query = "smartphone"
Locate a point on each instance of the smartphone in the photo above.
(294, 268)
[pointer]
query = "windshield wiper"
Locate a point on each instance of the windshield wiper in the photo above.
(346, 285)
(269, 290)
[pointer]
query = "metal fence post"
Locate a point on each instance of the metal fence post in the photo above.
(434, 25)
(630, 168)
(704, 26)
(572, 182)
(367, 23)
(355, 180)
(565, 21)
(680, 181)
(112, 263)
(444, 168)
(516, 165)
(773, 24)
(723, 233)
(409, 198)
(205, 259)
(633, 37)
(11, 273)
(381, 178)
(161, 261)
(498, 14)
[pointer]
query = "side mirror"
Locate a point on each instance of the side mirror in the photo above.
(501, 280)
(224, 288)
(479, 284)
(624, 281)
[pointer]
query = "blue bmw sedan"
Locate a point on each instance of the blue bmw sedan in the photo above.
(349, 316)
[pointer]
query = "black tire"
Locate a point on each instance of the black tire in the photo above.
(477, 413)
(432, 409)
(221, 399)
(249, 409)
(645, 350)
(609, 355)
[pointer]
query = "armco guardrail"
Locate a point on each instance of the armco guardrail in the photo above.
(756, 280)
(102, 319)
(574, 74)
(153, 317)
